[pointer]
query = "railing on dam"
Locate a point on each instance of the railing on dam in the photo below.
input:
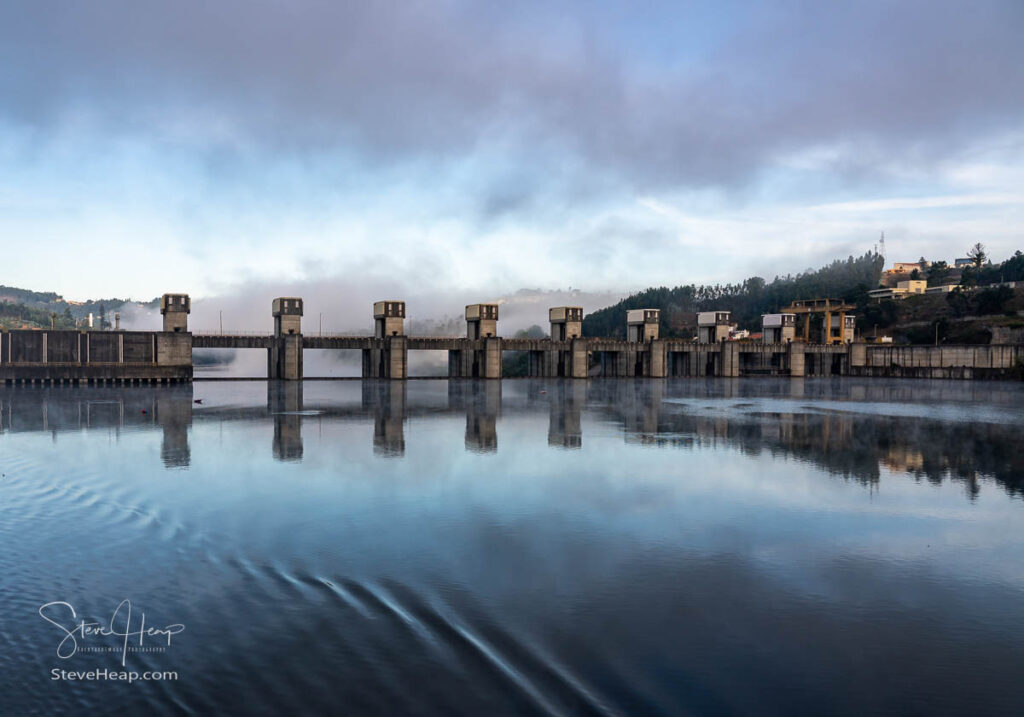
(233, 332)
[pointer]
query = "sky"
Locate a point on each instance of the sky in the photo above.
(246, 147)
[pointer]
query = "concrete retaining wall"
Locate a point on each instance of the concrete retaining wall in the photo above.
(962, 362)
(33, 356)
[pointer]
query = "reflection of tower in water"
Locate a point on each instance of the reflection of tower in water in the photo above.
(174, 414)
(565, 402)
(482, 403)
(387, 400)
(641, 409)
(793, 418)
(284, 401)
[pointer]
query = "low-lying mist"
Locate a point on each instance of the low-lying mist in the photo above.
(338, 307)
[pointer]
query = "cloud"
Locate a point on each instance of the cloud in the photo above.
(484, 147)
(943, 202)
(907, 82)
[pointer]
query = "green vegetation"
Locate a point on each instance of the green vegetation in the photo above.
(517, 363)
(983, 302)
(963, 316)
(849, 280)
(977, 255)
(981, 271)
(15, 316)
(962, 332)
(36, 309)
(1010, 270)
(24, 296)
(912, 319)
(51, 302)
(939, 273)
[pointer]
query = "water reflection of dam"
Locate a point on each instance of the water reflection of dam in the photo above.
(58, 410)
(816, 422)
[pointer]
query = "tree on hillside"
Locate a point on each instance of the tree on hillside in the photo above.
(1013, 268)
(938, 273)
(982, 302)
(517, 363)
(1010, 270)
(534, 332)
(959, 303)
(992, 301)
(977, 255)
(754, 286)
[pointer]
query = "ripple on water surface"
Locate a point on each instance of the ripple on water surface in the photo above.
(560, 547)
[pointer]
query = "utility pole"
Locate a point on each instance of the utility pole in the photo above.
(936, 333)
(321, 323)
(220, 313)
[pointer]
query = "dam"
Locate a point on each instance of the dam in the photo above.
(66, 357)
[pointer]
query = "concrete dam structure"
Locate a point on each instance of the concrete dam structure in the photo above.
(129, 357)
(95, 357)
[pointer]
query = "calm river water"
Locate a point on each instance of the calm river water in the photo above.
(742, 546)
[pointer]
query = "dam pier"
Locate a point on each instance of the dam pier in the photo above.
(56, 357)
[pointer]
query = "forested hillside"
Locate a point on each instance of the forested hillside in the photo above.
(848, 279)
(24, 308)
(14, 295)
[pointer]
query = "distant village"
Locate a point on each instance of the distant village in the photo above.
(979, 304)
(906, 278)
